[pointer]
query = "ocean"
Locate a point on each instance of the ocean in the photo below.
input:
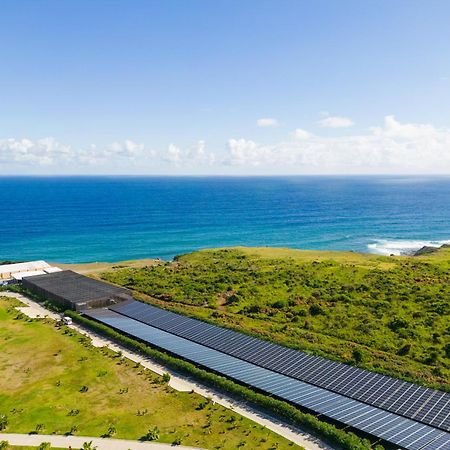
(86, 219)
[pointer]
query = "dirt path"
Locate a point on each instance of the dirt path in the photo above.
(184, 383)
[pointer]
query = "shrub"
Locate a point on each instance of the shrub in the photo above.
(152, 434)
(316, 310)
(165, 377)
(447, 350)
(396, 324)
(404, 350)
(111, 431)
(358, 355)
(432, 358)
(279, 304)
(44, 446)
(3, 422)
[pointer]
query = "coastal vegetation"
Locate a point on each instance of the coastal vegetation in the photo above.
(386, 314)
(55, 382)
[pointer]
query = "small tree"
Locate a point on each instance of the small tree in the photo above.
(44, 446)
(88, 446)
(165, 377)
(4, 445)
(73, 430)
(3, 422)
(111, 431)
(152, 434)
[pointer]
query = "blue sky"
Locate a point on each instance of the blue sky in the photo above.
(224, 87)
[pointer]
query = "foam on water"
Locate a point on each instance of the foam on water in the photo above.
(401, 247)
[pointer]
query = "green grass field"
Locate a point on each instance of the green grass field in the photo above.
(54, 381)
(387, 314)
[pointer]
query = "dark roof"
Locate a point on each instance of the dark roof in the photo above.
(75, 288)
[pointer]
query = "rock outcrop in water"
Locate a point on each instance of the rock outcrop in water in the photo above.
(427, 250)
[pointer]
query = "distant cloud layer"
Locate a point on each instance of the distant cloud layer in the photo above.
(393, 147)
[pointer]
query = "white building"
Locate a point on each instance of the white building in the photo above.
(15, 272)
(8, 270)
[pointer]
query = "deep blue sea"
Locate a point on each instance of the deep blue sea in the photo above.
(83, 219)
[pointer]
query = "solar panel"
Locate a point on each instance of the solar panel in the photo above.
(419, 403)
(382, 424)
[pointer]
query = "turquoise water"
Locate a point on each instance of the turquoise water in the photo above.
(80, 219)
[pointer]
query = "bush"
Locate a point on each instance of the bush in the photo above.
(358, 355)
(396, 324)
(316, 310)
(404, 350)
(44, 446)
(152, 434)
(447, 350)
(3, 422)
(165, 377)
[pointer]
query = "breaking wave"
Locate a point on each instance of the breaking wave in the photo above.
(401, 247)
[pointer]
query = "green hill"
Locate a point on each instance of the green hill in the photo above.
(387, 314)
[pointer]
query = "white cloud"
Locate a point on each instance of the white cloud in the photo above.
(48, 152)
(42, 152)
(127, 148)
(336, 122)
(301, 134)
(245, 152)
(194, 155)
(395, 147)
(267, 122)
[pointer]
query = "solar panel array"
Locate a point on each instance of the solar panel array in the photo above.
(398, 430)
(422, 404)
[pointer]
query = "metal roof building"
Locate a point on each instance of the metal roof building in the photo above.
(8, 270)
(74, 291)
(19, 276)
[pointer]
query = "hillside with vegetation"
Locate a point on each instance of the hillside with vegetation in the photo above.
(386, 314)
(55, 382)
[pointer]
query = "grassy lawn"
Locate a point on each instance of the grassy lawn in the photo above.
(388, 314)
(54, 381)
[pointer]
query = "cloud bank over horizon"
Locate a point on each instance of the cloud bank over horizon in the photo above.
(393, 147)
